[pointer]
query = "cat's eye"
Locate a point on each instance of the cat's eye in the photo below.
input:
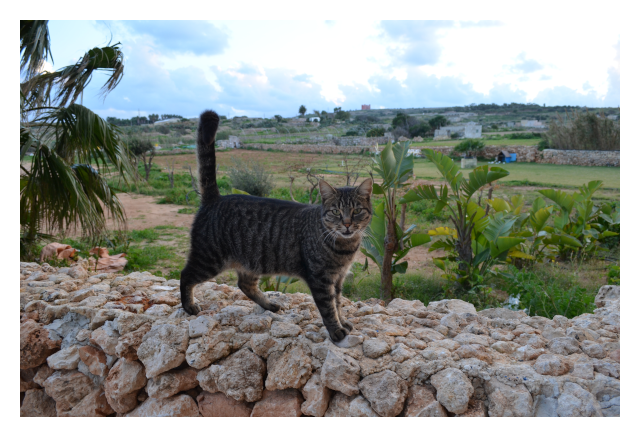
(336, 212)
(357, 210)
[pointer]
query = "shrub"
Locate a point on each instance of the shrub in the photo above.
(548, 295)
(224, 135)
(375, 132)
(351, 133)
(613, 275)
(456, 135)
(252, 178)
(470, 147)
(163, 129)
(583, 131)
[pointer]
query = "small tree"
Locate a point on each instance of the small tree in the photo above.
(470, 147)
(386, 242)
(438, 121)
(302, 110)
(142, 149)
(278, 118)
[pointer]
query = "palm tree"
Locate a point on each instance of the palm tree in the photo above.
(71, 146)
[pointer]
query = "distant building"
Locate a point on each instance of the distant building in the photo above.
(232, 143)
(168, 120)
(469, 130)
(314, 118)
(364, 107)
(531, 123)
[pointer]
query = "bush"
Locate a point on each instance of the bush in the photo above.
(470, 147)
(544, 144)
(252, 178)
(163, 129)
(613, 275)
(351, 133)
(456, 135)
(583, 131)
(548, 295)
(375, 132)
(524, 136)
(224, 135)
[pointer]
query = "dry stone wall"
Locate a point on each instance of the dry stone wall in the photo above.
(114, 345)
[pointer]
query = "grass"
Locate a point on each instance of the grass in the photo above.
(488, 142)
(526, 173)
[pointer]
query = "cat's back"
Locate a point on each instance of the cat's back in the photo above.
(254, 213)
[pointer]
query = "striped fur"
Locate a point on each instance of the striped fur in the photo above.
(258, 236)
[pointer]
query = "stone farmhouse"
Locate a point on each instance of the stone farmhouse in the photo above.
(468, 130)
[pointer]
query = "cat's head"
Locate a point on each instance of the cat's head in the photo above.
(347, 210)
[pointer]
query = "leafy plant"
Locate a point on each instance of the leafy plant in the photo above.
(72, 146)
(386, 243)
(470, 147)
(252, 178)
(613, 275)
(477, 241)
(375, 132)
(547, 298)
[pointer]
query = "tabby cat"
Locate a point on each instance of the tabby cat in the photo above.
(258, 236)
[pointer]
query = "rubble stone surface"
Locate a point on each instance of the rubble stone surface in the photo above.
(89, 349)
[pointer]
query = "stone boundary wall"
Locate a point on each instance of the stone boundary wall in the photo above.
(113, 345)
(328, 148)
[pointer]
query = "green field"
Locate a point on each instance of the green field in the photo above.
(545, 174)
(501, 142)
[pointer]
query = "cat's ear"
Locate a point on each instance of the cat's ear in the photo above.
(326, 190)
(365, 188)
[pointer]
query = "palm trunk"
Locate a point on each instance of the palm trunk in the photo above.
(390, 243)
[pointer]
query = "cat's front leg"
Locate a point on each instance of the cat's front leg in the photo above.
(323, 293)
(338, 297)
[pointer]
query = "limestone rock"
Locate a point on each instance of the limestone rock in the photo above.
(219, 405)
(35, 344)
(341, 373)
(239, 376)
(121, 387)
(129, 343)
(342, 405)
(453, 389)
(95, 360)
(67, 388)
(374, 348)
(65, 359)
(284, 329)
(202, 325)
(207, 349)
(106, 337)
(549, 364)
(176, 406)
(607, 293)
(421, 402)
(508, 401)
(172, 382)
(577, 402)
(385, 391)
(290, 368)
(564, 346)
(163, 348)
(593, 349)
(37, 403)
(92, 405)
(447, 306)
(279, 403)
(316, 395)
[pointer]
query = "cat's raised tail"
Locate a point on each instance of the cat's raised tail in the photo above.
(207, 129)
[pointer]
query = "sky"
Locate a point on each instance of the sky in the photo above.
(263, 68)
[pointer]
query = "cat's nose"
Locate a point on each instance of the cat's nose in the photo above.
(346, 225)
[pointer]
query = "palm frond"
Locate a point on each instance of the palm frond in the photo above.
(65, 85)
(77, 134)
(58, 196)
(35, 47)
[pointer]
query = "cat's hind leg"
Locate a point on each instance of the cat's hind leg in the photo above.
(248, 283)
(195, 272)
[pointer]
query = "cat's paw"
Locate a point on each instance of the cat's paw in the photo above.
(338, 334)
(273, 307)
(346, 325)
(192, 308)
